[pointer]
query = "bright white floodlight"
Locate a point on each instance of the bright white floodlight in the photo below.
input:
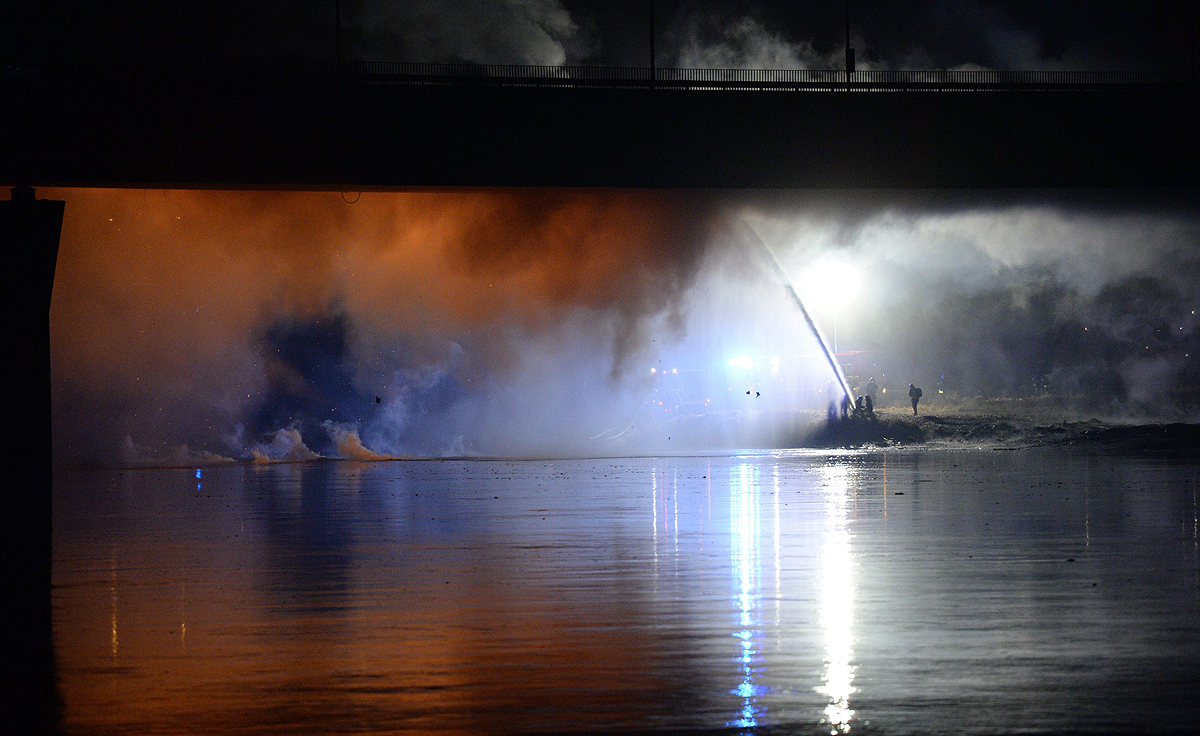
(745, 362)
(828, 286)
(829, 283)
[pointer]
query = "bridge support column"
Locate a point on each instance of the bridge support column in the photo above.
(29, 235)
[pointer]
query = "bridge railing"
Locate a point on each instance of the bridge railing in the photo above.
(411, 73)
(797, 79)
(491, 71)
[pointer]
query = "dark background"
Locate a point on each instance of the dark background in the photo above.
(1122, 35)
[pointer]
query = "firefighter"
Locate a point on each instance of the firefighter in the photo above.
(914, 394)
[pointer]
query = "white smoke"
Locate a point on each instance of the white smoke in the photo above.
(136, 454)
(1096, 306)
(710, 41)
(285, 446)
(748, 44)
(975, 248)
(1013, 48)
(484, 32)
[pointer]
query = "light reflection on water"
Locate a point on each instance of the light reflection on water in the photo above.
(745, 535)
(970, 592)
(837, 601)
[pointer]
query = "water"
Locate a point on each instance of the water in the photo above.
(962, 592)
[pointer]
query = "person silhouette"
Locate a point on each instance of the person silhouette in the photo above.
(869, 405)
(914, 394)
(871, 390)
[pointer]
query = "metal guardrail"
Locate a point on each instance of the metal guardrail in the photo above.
(761, 79)
(971, 77)
(409, 73)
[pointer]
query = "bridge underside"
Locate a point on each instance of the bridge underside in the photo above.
(276, 131)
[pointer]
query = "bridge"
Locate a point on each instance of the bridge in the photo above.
(400, 72)
(379, 126)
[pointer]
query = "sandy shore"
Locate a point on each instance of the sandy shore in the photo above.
(940, 423)
(894, 427)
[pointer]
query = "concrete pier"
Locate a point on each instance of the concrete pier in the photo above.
(29, 234)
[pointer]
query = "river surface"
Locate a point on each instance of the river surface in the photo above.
(889, 593)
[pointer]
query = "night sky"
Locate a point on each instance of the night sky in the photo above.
(1123, 35)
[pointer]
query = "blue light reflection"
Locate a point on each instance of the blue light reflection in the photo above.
(747, 564)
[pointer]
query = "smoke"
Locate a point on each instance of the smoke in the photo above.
(285, 446)
(180, 316)
(705, 42)
(904, 34)
(1004, 42)
(133, 453)
(1021, 301)
(746, 44)
(485, 32)
(201, 326)
(349, 445)
(929, 36)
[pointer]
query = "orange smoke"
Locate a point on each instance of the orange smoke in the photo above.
(161, 297)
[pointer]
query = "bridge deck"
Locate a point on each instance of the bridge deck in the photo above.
(373, 126)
